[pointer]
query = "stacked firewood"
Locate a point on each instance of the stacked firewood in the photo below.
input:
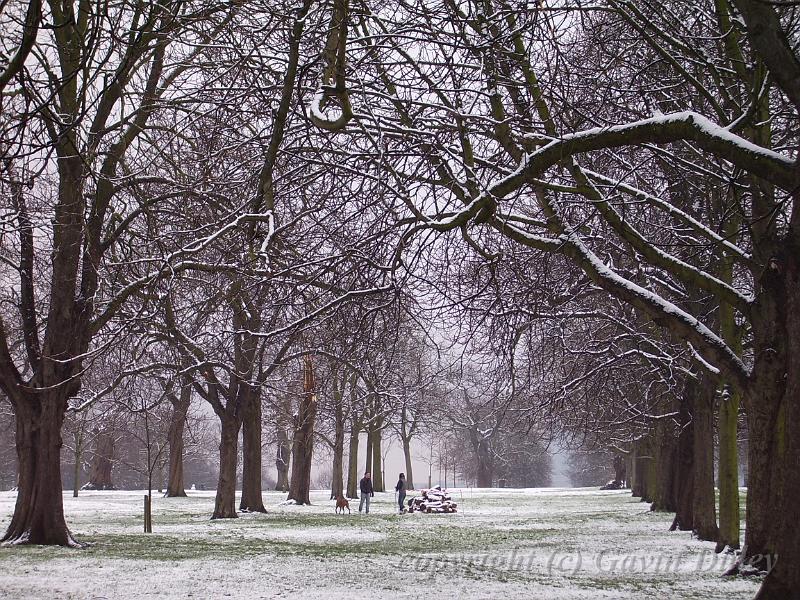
(434, 500)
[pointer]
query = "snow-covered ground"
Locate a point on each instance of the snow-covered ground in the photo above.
(538, 543)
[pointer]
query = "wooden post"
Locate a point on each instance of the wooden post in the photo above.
(148, 517)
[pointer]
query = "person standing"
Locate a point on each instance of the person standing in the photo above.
(400, 488)
(367, 492)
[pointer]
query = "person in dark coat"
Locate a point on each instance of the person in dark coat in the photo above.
(367, 492)
(400, 488)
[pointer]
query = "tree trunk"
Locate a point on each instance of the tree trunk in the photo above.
(684, 467)
(485, 474)
(102, 462)
(368, 459)
(337, 481)
(409, 470)
(78, 439)
(783, 581)
(282, 458)
(705, 514)
(39, 510)
(302, 451)
(773, 364)
(666, 441)
(225, 501)
(352, 467)
(177, 424)
(252, 499)
(619, 469)
(377, 462)
(640, 470)
(647, 469)
(763, 449)
(728, 470)
(728, 417)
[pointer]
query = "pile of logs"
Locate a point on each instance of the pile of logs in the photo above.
(614, 484)
(434, 500)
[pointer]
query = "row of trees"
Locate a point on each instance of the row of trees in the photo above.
(597, 201)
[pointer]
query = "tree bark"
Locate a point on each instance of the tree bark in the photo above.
(177, 424)
(78, 440)
(783, 581)
(340, 417)
(225, 501)
(337, 481)
(705, 514)
(640, 470)
(252, 499)
(282, 458)
(377, 461)
(728, 416)
(620, 469)
(485, 471)
(368, 459)
(39, 510)
(647, 460)
(763, 403)
(633, 470)
(684, 467)
(409, 466)
(303, 448)
(352, 467)
(728, 471)
(666, 442)
(102, 461)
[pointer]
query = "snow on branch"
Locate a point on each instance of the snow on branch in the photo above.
(681, 126)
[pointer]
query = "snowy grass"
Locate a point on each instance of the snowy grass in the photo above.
(555, 543)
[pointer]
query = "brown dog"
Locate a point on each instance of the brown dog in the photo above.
(341, 504)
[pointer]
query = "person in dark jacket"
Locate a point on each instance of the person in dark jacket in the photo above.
(367, 492)
(400, 488)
